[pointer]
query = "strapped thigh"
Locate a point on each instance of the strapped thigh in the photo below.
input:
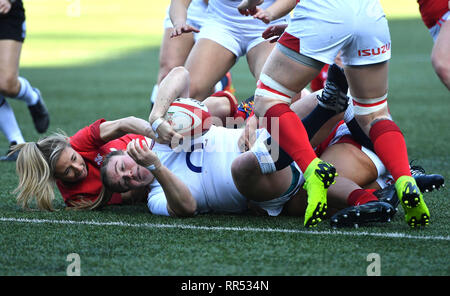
(367, 106)
(268, 87)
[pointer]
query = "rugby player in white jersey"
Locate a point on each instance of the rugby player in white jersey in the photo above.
(317, 31)
(174, 51)
(225, 36)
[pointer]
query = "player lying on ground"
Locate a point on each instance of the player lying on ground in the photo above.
(73, 163)
(212, 175)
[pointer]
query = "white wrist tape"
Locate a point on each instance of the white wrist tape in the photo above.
(156, 124)
(151, 167)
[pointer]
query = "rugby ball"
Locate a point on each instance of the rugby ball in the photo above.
(189, 117)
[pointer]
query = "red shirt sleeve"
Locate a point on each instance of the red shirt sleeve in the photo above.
(88, 138)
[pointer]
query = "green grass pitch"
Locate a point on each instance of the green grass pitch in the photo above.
(100, 59)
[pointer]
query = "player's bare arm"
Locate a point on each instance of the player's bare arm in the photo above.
(173, 86)
(110, 130)
(178, 16)
(180, 201)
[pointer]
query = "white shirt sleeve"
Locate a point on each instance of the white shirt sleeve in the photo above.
(156, 201)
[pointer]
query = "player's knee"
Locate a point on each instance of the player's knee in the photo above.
(9, 85)
(219, 110)
(244, 167)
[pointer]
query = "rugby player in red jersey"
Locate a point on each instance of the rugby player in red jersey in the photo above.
(73, 163)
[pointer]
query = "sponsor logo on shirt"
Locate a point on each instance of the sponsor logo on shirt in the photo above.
(98, 159)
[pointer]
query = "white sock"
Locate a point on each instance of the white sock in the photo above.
(27, 93)
(154, 93)
(8, 123)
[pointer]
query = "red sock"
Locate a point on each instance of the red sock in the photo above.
(231, 98)
(292, 135)
(390, 147)
(360, 197)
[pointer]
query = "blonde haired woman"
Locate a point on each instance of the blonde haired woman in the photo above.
(73, 164)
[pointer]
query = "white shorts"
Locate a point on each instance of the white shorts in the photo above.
(321, 29)
(227, 27)
(434, 31)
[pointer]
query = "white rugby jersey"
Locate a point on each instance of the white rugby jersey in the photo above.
(206, 170)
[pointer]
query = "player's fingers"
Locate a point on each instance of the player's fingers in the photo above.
(145, 147)
(131, 150)
(242, 11)
(137, 146)
(193, 29)
(175, 32)
(268, 32)
(176, 140)
(252, 11)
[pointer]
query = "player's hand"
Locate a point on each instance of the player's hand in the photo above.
(248, 136)
(5, 6)
(248, 7)
(182, 28)
(274, 32)
(263, 15)
(142, 155)
(167, 135)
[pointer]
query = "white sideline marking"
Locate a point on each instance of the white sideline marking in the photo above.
(215, 228)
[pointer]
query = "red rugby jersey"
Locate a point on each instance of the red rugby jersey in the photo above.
(93, 149)
(432, 11)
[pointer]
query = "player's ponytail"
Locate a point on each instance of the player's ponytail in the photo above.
(35, 166)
